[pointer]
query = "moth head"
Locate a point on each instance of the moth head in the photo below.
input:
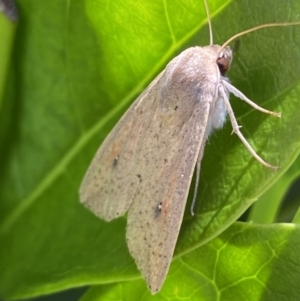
(224, 59)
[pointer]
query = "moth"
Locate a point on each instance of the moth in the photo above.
(146, 164)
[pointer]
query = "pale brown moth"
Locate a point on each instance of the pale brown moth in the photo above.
(145, 165)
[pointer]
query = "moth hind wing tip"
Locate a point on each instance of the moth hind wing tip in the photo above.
(154, 287)
(153, 290)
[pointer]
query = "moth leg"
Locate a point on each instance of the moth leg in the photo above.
(241, 96)
(197, 177)
(236, 129)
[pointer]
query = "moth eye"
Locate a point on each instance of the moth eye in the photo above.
(223, 64)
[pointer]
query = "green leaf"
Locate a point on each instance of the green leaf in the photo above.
(77, 65)
(267, 208)
(296, 219)
(246, 262)
(7, 34)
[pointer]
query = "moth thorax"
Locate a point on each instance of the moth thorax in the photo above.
(224, 59)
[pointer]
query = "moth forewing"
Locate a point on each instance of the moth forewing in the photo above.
(177, 131)
(111, 178)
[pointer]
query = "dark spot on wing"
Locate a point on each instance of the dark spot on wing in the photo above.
(115, 162)
(158, 209)
(140, 177)
(176, 107)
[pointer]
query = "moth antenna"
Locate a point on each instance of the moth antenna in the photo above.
(257, 28)
(209, 23)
